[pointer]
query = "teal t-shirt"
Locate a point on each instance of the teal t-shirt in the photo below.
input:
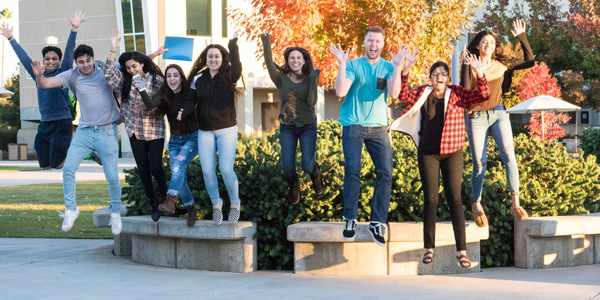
(366, 101)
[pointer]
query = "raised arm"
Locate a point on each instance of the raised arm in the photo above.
(268, 55)
(113, 76)
(234, 59)
(67, 61)
(394, 84)
(468, 97)
(26, 61)
(407, 95)
(342, 83)
(158, 52)
(44, 82)
(527, 61)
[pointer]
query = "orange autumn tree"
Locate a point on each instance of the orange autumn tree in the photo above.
(539, 82)
(429, 26)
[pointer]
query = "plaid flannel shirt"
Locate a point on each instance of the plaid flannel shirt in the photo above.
(148, 124)
(453, 135)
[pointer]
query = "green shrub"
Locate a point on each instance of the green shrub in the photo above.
(590, 142)
(551, 184)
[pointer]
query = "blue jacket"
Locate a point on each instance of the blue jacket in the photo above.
(53, 102)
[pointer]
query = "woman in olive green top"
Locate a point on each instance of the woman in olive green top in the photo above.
(297, 83)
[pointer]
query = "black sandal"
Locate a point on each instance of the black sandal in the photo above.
(428, 257)
(464, 261)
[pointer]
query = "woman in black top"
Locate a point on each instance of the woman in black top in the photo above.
(212, 91)
(183, 143)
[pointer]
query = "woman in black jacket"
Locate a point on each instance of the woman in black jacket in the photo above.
(212, 91)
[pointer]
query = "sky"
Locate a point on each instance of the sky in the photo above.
(10, 59)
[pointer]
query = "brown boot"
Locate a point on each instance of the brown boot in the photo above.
(191, 216)
(168, 205)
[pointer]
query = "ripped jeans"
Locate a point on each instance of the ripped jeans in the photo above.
(496, 122)
(182, 150)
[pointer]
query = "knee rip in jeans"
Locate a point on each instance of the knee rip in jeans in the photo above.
(508, 149)
(180, 158)
(175, 169)
(481, 164)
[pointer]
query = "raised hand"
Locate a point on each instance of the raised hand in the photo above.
(266, 33)
(464, 53)
(115, 39)
(411, 59)
(161, 50)
(473, 60)
(399, 57)
(38, 68)
(77, 20)
(6, 31)
(339, 53)
(518, 27)
(236, 35)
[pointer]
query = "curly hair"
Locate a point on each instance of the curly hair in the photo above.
(224, 70)
(306, 68)
(149, 67)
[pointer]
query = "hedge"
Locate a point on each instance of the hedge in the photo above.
(551, 184)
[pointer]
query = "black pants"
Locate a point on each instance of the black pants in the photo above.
(52, 142)
(148, 157)
(451, 166)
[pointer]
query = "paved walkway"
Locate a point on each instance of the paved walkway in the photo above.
(88, 171)
(86, 269)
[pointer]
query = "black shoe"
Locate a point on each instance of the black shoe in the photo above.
(294, 191)
(377, 231)
(317, 181)
(350, 230)
(154, 205)
(95, 157)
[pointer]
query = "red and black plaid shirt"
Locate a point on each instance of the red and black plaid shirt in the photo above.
(453, 135)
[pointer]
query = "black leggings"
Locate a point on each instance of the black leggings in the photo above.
(148, 157)
(452, 169)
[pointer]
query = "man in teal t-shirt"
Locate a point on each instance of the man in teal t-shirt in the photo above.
(366, 82)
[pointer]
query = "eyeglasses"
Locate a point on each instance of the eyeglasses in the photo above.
(439, 74)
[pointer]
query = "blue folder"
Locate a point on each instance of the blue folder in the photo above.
(180, 48)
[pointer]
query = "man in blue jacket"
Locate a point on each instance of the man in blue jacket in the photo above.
(56, 128)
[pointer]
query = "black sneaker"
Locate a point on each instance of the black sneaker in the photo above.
(350, 230)
(95, 157)
(377, 231)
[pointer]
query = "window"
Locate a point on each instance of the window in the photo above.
(585, 117)
(573, 116)
(198, 17)
(133, 25)
(224, 17)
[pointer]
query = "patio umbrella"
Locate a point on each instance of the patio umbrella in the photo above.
(542, 104)
(4, 93)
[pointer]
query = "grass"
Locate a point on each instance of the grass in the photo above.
(29, 211)
(6, 169)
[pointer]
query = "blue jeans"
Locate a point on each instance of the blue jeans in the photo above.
(379, 147)
(288, 138)
(182, 150)
(495, 121)
(223, 141)
(105, 141)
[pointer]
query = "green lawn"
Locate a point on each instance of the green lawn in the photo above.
(6, 169)
(29, 211)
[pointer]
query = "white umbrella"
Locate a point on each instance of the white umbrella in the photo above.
(542, 104)
(4, 93)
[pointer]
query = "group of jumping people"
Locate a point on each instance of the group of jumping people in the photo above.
(200, 109)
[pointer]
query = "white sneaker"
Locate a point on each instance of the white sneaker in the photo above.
(115, 223)
(69, 218)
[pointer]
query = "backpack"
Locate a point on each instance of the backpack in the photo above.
(73, 84)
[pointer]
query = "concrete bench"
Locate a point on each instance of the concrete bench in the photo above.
(320, 249)
(205, 246)
(122, 246)
(563, 241)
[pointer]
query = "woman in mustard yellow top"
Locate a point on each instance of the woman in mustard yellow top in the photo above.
(491, 117)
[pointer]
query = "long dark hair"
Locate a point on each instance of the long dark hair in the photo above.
(306, 68)
(166, 93)
(498, 52)
(224, 70)
(149, 67)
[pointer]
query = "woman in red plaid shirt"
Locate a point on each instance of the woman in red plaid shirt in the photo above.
(435, 122)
